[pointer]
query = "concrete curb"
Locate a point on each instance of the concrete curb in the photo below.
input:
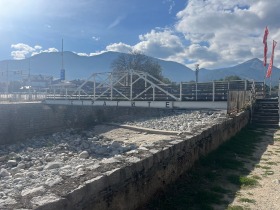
(148, 130)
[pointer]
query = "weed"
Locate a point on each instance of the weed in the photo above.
(271, 163)
(247, 200)
(265, 159)
(235, 208)
(242, 180)
(268, 173)
(256, 177)
(265, 167)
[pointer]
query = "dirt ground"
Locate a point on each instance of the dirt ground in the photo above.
(266, 195)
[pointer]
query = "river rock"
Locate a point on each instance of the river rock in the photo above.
(21, 166)
(84, 154)
(12, 163)
(53, 165)
(46, 199)
(2, 158)
(54, 181)
(4, 172)
(37, 191)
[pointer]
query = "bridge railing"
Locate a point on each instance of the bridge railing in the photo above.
(22, 97)
(140, 86)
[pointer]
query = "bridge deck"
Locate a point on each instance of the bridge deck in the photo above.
(146, 104)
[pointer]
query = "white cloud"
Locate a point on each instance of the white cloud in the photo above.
(171, 5)
(83, 54)
(95, 38)
(116, 22)
(161, 44)
(23, 50)
(119, 47)
(214, 33)
(37, 47)
(232, 30)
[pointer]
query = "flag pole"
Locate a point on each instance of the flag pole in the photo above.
(266, 32)
(270, 86)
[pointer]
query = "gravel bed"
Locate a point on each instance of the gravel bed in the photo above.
(180, 120)
(62, 160)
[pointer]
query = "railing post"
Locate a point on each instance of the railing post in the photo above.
(131, 89)
(154, 93)
(245, 85)
(94, 87)
(111, 84)
(196, 91)
(213, 91)
(180, 91)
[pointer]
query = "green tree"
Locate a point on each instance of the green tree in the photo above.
(232, 77)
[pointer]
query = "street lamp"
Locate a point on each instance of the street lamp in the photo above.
(196, 72)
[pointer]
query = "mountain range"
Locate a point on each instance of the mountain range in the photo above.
(81, 67)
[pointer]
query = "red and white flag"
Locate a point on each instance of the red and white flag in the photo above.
(265, 45)
(269, 70)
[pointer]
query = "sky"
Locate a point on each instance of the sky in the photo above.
(211, 33)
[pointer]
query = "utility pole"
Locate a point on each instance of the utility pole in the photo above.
(62, 71)
(196, 72)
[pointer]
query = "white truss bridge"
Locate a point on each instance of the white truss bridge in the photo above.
(140, 89)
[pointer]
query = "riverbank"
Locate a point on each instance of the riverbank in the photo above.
(244, 173)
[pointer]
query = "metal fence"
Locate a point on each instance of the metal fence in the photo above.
(239, 101)
(140, 86)
(22, 97)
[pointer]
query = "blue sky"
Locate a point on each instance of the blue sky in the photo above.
(214, 33)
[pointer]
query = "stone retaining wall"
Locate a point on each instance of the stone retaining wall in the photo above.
(132, 186)
(23, 120)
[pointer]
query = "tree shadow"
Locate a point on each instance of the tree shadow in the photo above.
(214, 180)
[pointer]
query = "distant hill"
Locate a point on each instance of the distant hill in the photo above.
(251, 69)
(81, 67)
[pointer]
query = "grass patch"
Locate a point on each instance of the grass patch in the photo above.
(247, 200)
(242, 180)
(266, 167)
(265, 159)
(267, 173)
(271, 163)
(257, 166)
(256, 177)
(235, 208)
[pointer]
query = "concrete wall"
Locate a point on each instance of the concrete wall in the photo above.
(132, 186)
(123, 188)
(24, 120)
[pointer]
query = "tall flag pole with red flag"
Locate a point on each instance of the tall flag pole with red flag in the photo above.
(265, 45)
(270, 66)
(269, 70)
